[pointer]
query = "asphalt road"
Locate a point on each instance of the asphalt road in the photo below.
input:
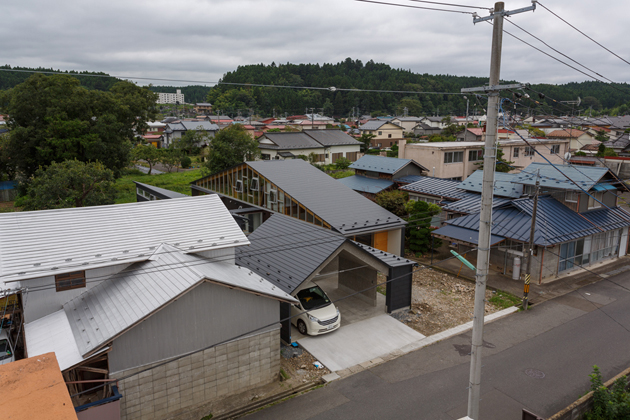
(539, 360)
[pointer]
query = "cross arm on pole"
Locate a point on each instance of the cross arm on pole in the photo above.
(504, 13)
(495, 88)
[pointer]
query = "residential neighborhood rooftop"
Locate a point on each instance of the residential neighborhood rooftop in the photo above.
(561, 176)
(365, 184)
(388, 165)
(504, 184)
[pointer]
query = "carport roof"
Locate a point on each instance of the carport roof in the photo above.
(286, 251)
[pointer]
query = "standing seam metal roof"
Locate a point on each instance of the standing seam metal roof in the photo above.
(387, 165)
(118, 303)
(552, 176)
(363, 184)
(435, 186)
(504, 185)
(345, 210)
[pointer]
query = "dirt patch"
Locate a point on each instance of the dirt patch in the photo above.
(301, 368)
(441, 301)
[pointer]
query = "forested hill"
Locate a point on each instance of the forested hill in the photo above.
(9, 79)
(353, 74)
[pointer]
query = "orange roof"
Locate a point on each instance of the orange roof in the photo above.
(34, 389)
(476, 131)
(566, 133)
(152, 136)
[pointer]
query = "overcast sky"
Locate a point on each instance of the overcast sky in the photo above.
(203, 39)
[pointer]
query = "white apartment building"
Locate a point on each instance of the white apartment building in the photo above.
(171, 98)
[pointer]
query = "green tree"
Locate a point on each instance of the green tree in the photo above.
(366, 141)
(328, 107)
(603, 151)
(609, 404)
(393, 201)
(170, 158)
(601, 136)
(393, 152)
(147, 153)
(533, 131)
(70, 184)
(342, 163)
(418, 232)
(451, 130)
(231, 146)
(54, 118)
(191, 141)
(502, 164)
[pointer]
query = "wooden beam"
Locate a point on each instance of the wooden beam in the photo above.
(92, 369)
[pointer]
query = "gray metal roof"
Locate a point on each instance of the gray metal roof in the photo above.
(193, 125)
(465, 235)
(290, 140)
(374, 125)
(363, 184)
(41, 243)
(472, 204)
(555, 222)
(445, 188)
(345, 210)
(558, 176)
(119, 303)
(332, 137)
(620, 143)
(286, 251)
(387, 165)
(160, 191)
(504, 185)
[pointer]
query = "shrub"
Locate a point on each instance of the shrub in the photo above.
(342, 163)
(185, 162)
(609, 404)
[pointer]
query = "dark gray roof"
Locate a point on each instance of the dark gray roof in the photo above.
(438, 187)
(365, 184)
(345, 210)
(332, 137)
(472, 204)
(374, 125)
(286, 251)
(465, 235)
(193, 125)
(620, 143)
(555, 222)
(163, 193)
(387, 165)
(290, 141)
(504, 185)
(560, 176)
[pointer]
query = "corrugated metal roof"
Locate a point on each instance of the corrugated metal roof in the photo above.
(472, 204)
(391, 260)
(47, 242)
(286, 251)
(161, 191)
(364, 184)
(107, 310)
(555, 222)
(345, 210)
(550, 176)
(291, 141)
(374, 125)
(604, 187)
(193, 125)
(435, 186)
(504, 185)
(332, 137)
(387, 165)
(465, 235)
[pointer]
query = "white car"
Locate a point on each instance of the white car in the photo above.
(322, 317)
(6, 349)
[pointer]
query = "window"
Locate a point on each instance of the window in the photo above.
(239, 186)
(571, 196)
(266, 156)
(254, 185)
(555, 149)
(380, 133)
(69, 281)
(389, 136)
(594, 200)
(530, 151)
(453, 157)
(273, 196)
(475, 155)
(515, 152)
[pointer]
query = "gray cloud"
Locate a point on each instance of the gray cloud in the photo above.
(203, 39)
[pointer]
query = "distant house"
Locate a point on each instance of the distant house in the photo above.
(471, 134)
(296, 188)
(435, 122)
(129, 288)
(386, 133)
(375, 174)
(327, 145)
(407, 123)
(621, 145)
(202, 108)
(175, 130)
(423, 129)
(578, 138)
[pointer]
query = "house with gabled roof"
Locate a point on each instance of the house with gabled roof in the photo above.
(118, 290)
(578, 138)
(327, 146)
(297, 189)
(386, 133)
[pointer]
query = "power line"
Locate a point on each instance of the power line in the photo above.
(619, 57)
(415, 7)
(453, 5)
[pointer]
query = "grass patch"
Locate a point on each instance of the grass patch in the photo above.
(342, 174)
(382, 290)
(174, 181)
(504, 300)
(285, 375)
(208, 417)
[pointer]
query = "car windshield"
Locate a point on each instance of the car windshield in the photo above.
(5, 350)
(313, 297)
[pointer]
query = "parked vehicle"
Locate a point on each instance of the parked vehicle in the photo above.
(322, 316)
(7, 354)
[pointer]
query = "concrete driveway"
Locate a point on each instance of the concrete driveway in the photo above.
(360, 342)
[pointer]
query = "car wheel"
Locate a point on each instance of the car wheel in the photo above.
(302, 327)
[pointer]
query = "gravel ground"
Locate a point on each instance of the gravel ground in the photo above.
(301, 368)
(441, 301)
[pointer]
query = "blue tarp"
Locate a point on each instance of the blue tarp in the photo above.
(8, 185)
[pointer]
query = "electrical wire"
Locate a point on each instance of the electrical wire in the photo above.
(453, 5)
(415, 7)
(619, 57)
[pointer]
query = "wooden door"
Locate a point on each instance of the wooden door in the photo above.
(380, 241)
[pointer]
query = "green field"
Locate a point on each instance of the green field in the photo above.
(174, 181)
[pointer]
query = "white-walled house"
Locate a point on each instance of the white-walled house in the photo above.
(327, 145)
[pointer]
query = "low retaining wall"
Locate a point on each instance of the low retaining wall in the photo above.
(578, 409)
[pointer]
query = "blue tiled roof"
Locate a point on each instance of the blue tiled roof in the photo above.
(555, 222)
(364, 184)
(439, 187)
(382, 164)
(504, 185)
(550, 176)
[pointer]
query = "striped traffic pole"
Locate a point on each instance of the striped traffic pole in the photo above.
(526, 292)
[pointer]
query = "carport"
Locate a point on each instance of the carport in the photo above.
(291, 253)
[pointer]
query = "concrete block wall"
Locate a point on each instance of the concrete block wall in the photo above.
(199, 380)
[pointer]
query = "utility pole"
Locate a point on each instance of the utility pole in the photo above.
(530, 255)
(466, 97)
(312, 118)
(485, 217)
